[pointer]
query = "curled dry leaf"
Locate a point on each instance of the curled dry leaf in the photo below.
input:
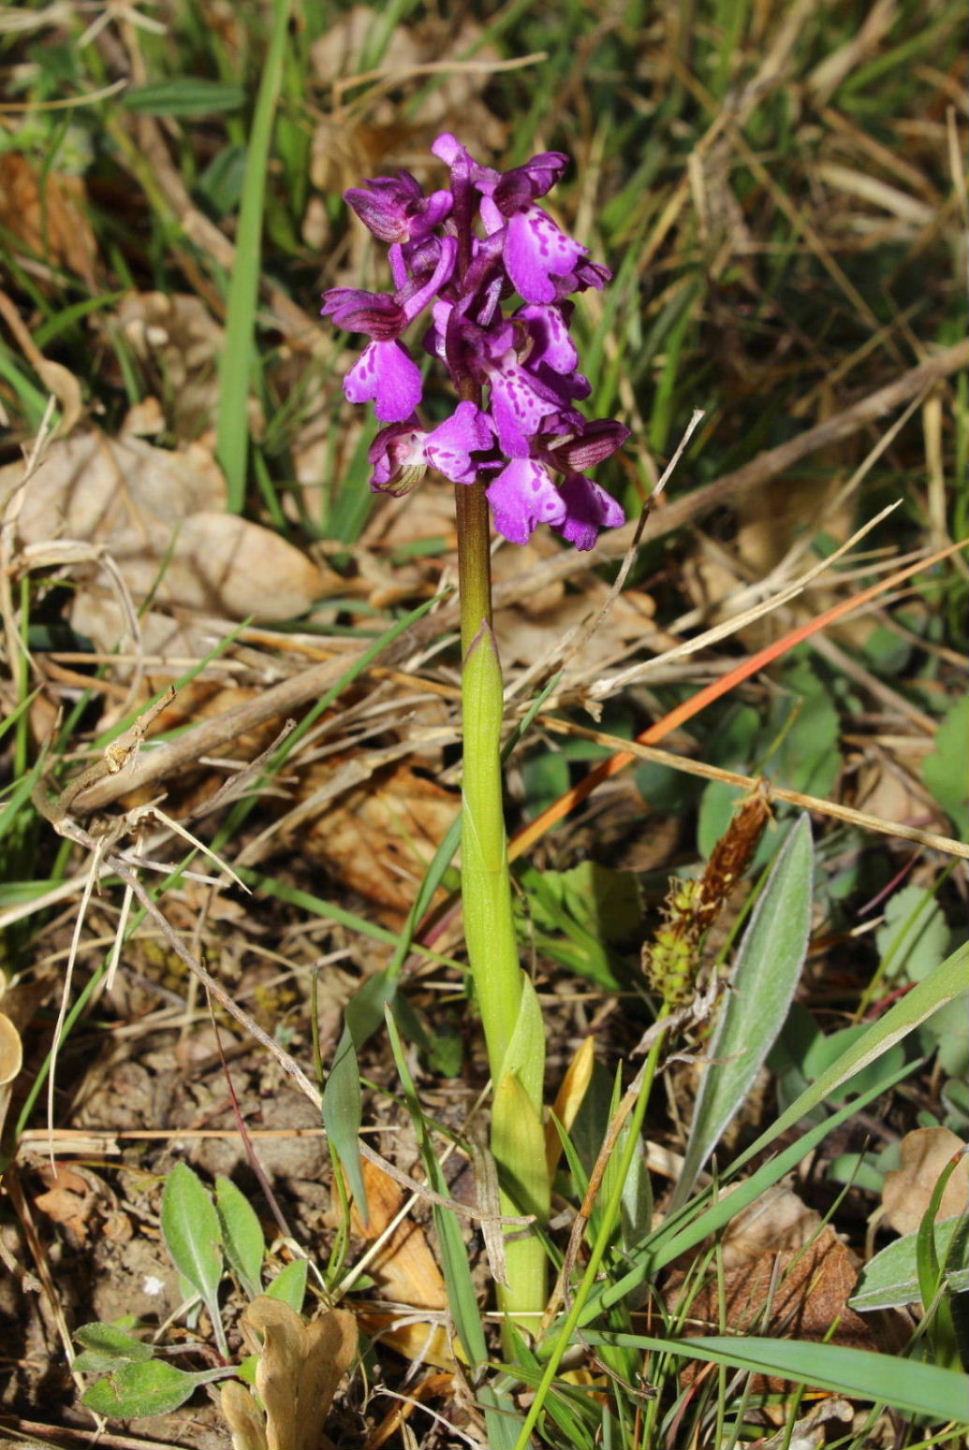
(809, 1432)
(69, 1200)
(300, 1367)
(179, 344)
(778, 1220)
(908, 1190)
(96, 488)
(379, 837)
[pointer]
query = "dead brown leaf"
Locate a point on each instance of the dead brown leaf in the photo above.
(798, 1294)
(160, 515)
(908, 1189)
(379, 837)
(68, 1200)
(179, 343)
(405, 1271)
(47, 213)
(300, 1367)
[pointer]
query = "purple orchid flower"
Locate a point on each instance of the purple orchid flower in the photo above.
(517, 375)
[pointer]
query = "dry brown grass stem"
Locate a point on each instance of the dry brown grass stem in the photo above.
(287, 696)
(929, 839)
(732, 487)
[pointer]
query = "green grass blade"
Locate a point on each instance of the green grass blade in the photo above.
(239, 354)
(906, 1385)
(462, 1299)
(683, 1232)
(926, 997)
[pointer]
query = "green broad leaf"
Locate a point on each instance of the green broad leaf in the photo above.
(343, 1117)
(185, 97)
(768, 966)
(904, 1016)
(948, 1034)
(807, 757)
(946, 770)
(154, 1388)
(826, 1050)
(192, 1233)
(914, 937)
(545, 777)
(907, 1385)
(289, 1285)
(105, 1345)
(242, 1235)
(890, 1280)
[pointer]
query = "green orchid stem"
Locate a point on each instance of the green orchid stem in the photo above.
(512, 1022)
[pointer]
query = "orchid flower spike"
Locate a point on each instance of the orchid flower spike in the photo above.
(457, 255)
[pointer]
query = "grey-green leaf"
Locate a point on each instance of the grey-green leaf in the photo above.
(890, 1280)
(768, 966)
(242, 1235)
(106, 1346)
(192, 1233)
(185, 96)
(152, 1388)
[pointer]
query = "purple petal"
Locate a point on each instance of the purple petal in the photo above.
(519, 403)
(425, 290)
(396, 210)
(387, 375)
(450, 445)
(522, 497)
(535, 251)
(549, 331)
(524, 184)
(588, 509)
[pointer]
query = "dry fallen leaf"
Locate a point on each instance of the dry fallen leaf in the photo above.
(797, 1294)
(97, 488)
(179, 342)
(378, 838)
(46, 211)
(69, 1200)
(778, 1220)
(160, 515)
(300, 1366)
(908, 1189)
(11, 1061)
(405, 1271)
